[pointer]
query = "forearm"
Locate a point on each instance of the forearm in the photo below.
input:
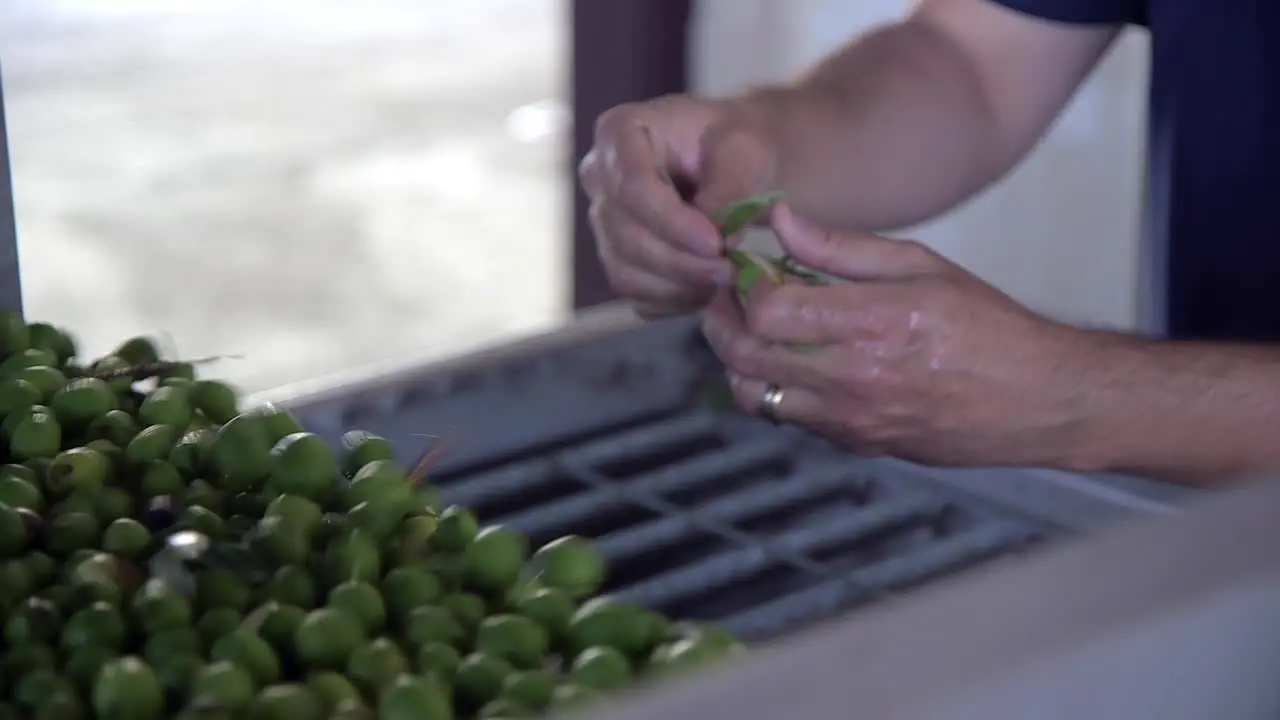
(1196, 413)
(891, 131)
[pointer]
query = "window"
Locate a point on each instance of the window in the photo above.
(311, 186)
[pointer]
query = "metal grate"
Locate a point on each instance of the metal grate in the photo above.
(703, 514)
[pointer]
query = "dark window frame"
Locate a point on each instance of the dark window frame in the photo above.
(10, 275)
(623, 50)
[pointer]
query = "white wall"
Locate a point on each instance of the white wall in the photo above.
(1060, 233)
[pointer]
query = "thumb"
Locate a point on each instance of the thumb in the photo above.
(735, 163)
(853, 256)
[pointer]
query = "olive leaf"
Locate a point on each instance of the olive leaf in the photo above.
(750, 269)
(788, 266)
(740, 213)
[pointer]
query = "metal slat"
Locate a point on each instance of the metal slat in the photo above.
(572, 510)
(505, 482)
(608, 496)
(717, 465)
(624, 544)
(843, 591)
(724, 569)
(641, 443)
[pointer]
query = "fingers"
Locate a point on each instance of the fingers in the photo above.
(752, 356)
(855, 256)
(792, 404)
(659, 252)
(735, 164)
(653, 293)
(629, 241)
(821, 315)
(635, 174)
(654, 297)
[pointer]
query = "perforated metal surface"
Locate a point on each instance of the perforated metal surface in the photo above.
(703, 516)
(703, 513)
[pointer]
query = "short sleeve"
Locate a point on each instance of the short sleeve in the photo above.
(1128, 12)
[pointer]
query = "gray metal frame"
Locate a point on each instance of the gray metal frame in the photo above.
(10, 277)
(623, 51)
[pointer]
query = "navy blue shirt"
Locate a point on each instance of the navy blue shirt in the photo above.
(1213, 164)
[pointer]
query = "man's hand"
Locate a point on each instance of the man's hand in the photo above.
(661, 252)
(918, 358)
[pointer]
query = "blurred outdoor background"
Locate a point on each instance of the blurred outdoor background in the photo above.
(321, 185)
(312, 187)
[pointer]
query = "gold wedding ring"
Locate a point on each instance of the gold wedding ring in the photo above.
(770, 402)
